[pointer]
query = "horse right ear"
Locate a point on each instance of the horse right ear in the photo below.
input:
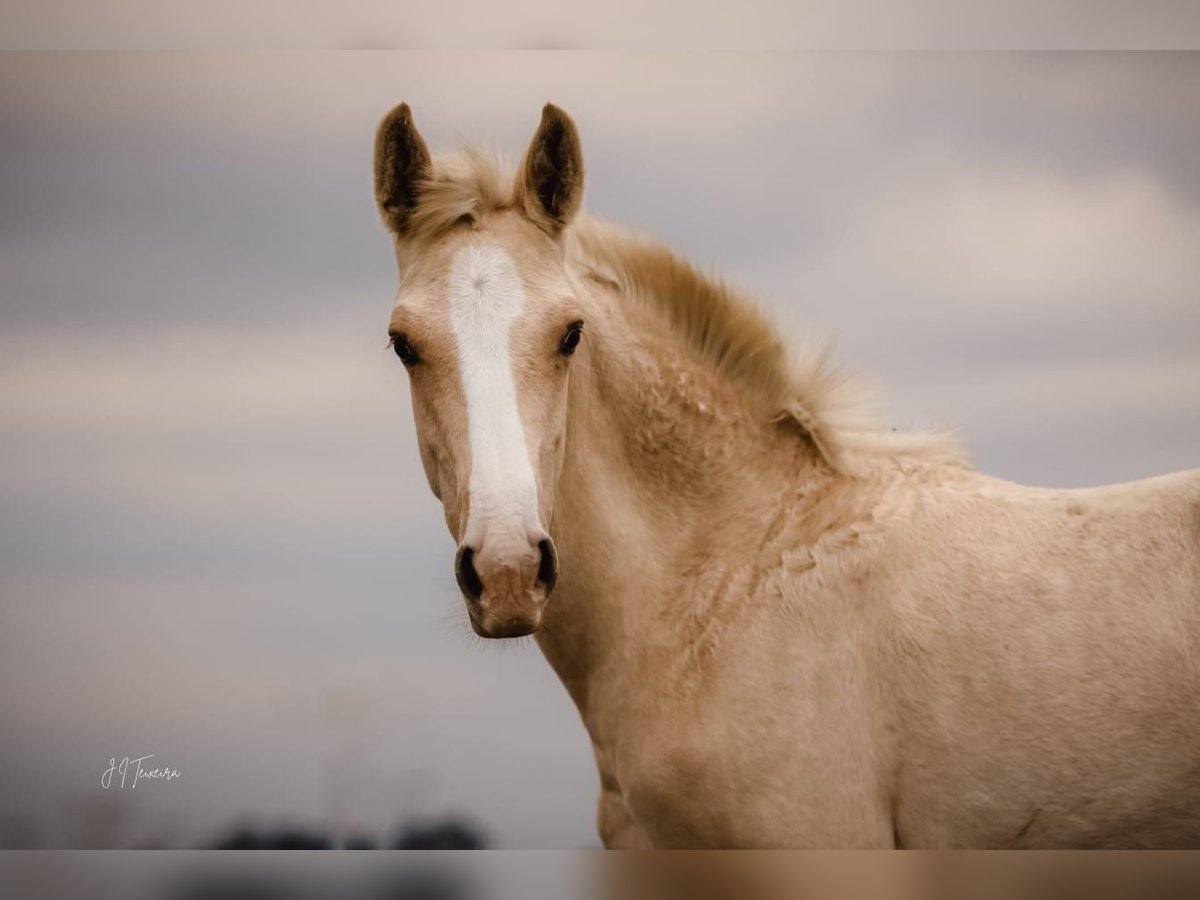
(550, 184)
(402, 162)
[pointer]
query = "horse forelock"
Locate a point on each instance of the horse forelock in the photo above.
(471, 182)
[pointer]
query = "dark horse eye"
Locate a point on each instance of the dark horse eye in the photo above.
(404, 350)
(571, 339)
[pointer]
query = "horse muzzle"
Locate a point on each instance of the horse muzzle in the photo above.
(506, 589)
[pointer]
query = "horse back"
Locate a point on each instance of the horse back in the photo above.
(1047, 676)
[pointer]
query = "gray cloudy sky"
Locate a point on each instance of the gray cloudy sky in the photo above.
(216, 543)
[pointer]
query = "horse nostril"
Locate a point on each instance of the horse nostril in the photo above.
(548, 566)
(464, 570)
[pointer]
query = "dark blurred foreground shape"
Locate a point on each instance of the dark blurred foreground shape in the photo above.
(286, 839)
(421, 878)
(445, 834)
(448, 834)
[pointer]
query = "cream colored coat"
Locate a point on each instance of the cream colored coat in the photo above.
(783, 627)
(767, 653)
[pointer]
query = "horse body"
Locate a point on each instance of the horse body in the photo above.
(782, 627)
(1053, 693)
(917, 655)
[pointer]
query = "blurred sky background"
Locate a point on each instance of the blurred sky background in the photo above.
(216, 541)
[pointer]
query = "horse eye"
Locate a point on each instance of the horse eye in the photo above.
(404, 350)
(571, 339)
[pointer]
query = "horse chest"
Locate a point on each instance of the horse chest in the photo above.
(714, 774)
(669, 788)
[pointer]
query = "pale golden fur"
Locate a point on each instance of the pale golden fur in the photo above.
(813, 636)
(830, 405)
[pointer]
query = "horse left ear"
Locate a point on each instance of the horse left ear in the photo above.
(402, 163)
(551, 179)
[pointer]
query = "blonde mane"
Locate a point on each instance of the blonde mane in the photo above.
(830, 407)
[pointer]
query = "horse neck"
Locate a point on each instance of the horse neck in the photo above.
(659, 452)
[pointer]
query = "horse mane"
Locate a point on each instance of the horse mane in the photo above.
(798, 387)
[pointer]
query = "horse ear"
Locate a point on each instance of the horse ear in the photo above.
(402, 162)
(551, 178)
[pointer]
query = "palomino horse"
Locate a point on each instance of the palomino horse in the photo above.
(782, 625)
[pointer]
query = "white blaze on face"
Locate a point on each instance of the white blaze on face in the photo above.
(485, 298)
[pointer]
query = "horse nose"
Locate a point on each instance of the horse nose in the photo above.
(469, 581)
(547, 564)
(471, 584)
(506, 586)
